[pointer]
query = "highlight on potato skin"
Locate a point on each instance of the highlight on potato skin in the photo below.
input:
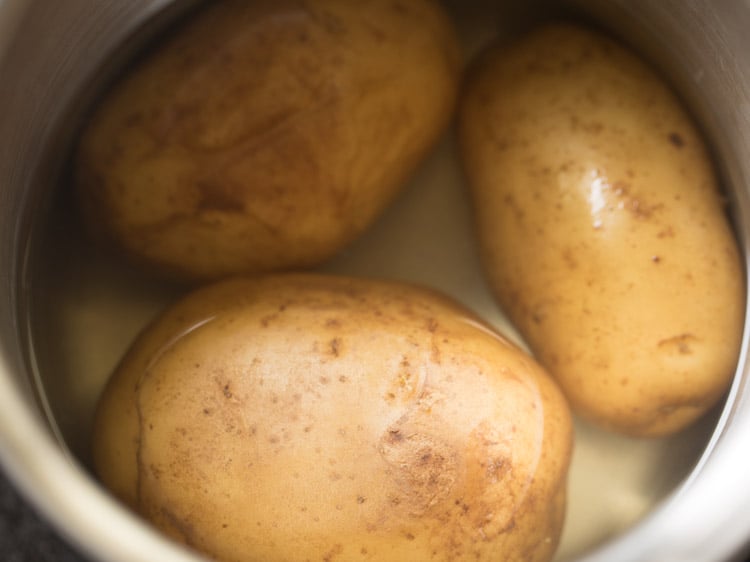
(297, 417)
(603, 228)
(265, 135)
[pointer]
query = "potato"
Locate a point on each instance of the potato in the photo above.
(266, 135)
(603, 229)
(306, 417)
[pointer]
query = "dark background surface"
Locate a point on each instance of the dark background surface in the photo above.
(26, 537)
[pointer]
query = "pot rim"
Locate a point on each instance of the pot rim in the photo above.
(64, 492)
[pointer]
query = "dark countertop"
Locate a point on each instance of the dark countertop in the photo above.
(26, 537)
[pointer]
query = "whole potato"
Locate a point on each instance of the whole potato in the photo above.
(266, 135)
(305, 417)
(603, 228)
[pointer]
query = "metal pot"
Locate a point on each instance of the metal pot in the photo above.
(54, 58)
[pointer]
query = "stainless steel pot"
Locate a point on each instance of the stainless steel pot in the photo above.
(53, 58)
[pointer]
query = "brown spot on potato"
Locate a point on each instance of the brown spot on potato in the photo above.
(636, 205)
(333, 323)
(133, 119)
(496, 468)
(333, 553)
(266, 320)
(327, 21)
(591, 127)
(667, 232)
(677, 140)
(681, 344)
(490, 479)
(156, 472)
(423, 467)
(227, 391)
(335, 346)
(502, 144)
(218, 197)
(517, 210)
(569, 258)
(377, 33)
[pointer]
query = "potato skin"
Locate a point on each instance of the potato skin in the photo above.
(304, 417)
(603, 229)
(266, 135)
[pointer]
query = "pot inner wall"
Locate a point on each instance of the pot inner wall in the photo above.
(81, 307)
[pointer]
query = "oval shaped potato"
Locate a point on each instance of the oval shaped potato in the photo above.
(603, 229)
(307, 417)
(267, 135)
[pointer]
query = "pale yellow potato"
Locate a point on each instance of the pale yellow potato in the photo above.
(266, 135)
(305, 417)
(603, 230)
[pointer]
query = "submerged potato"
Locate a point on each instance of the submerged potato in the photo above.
(603, 229)
(266, 135)
(322, 418)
